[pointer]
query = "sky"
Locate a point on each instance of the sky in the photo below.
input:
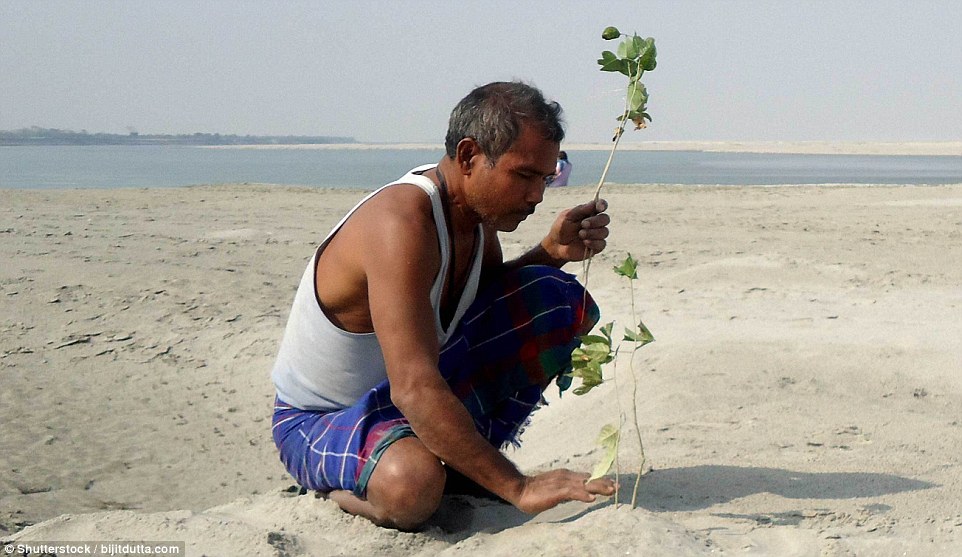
(390, 71)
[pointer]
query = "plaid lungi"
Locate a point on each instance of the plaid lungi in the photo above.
(515, 338)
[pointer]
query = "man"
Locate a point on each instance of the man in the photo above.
(413, 351)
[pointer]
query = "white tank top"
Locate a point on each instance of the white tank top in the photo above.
(322, 367)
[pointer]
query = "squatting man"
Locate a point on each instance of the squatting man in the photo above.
(413, 352)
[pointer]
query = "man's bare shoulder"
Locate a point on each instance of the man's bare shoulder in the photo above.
(389, 231)
(398, 204)
(400, 199)
(398, 217)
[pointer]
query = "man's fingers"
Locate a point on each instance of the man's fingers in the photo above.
(586, 210)
(596, 246)
(593, 233)
(597, 486)
(600, 220)
(579, 487)
(551, 488)
(588, 490)
(601, 486)
(594, 238)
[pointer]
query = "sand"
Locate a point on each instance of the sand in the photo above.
(803, 397)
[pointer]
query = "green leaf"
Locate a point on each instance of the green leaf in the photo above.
(641, 335)
(586, 360)
(610, 33)
(595, 339)
(637, 96)
(611, 63)
(607, 57)
(628, 268)
(638, 47)
(632, 47)
(648, 55)
(597, 352)
(586, 387)
(590, 375)
(606, 330)
(608, 440)
(623, 49)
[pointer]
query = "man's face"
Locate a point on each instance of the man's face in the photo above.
(505, 194)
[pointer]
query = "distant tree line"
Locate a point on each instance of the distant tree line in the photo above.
(52, 136)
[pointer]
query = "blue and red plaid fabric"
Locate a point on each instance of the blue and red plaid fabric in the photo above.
(515, 338)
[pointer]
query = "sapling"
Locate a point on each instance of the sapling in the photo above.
(639, 337)
(635, 56)
(587, 362)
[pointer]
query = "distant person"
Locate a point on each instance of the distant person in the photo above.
(561, 171)
(414, 351)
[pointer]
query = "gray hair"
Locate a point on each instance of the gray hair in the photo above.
(493, 114)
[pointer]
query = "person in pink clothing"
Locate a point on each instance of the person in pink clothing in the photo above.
(562, 171)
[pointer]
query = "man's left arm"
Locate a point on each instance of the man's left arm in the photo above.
(575, 233)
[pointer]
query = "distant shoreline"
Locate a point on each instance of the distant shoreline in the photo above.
(42, 137)
(920, 148)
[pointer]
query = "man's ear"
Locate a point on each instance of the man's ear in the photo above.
(465, 153)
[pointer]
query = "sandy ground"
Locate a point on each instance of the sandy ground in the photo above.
(804, 395)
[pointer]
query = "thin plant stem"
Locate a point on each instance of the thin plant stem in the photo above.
(619, 131)
(604, 173)
(621, 420)
(634, 402)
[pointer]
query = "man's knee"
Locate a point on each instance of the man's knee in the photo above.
(407, 485)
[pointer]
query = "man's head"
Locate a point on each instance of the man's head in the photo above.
(493, 116)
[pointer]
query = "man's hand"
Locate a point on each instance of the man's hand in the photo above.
(577, 231)
(549, 489)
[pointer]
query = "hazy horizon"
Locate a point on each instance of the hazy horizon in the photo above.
(384, 73)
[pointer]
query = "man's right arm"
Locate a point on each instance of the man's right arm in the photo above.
(401, 261)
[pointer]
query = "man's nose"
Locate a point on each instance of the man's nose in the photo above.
(535, 194)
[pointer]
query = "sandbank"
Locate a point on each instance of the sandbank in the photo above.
(803, 397)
